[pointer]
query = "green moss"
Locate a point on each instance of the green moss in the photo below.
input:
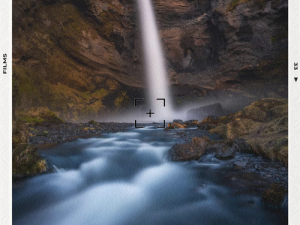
(31, 119)
(92, 122)
(121, 100)
(279, 143)
(47, 72)
(27, 161)
(37, 116)
(20, 133)
(51, 117)
(98, 94)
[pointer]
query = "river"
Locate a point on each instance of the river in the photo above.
(124, 178)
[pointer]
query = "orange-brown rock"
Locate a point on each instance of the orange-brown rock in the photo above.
(189, 151)
(264, 126)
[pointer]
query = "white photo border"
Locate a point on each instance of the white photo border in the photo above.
(6, 113)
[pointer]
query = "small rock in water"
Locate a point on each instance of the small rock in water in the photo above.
(189, 151)
(214, 160)
(226, 153)
(240, 164)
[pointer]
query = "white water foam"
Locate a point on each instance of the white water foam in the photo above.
(129, 184)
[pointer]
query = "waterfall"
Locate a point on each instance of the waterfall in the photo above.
(157, 80)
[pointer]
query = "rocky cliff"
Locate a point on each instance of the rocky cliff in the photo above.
(82, 59)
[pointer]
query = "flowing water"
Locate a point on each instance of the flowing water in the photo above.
(124, 178)
(157, 79)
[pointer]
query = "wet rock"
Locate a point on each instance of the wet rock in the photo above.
(225, 152)
(274, 196)
(240, 164)
(189, 151)
(27, 161)
(42, 133)
(191, 123)
(242, 146)
(206, 126)
(208, 123)
(211, 120)
(175, 126)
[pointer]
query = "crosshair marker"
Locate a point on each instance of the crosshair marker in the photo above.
(163, 100)
(150, 113)
(136, 125)
(164, 125)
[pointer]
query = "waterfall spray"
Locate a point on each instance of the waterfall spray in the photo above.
(157, 81)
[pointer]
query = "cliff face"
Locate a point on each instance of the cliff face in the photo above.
(82, 59)
(226, 44)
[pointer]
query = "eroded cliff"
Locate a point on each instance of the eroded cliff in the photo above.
(82, 59)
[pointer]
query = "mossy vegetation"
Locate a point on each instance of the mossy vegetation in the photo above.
(49, 70)
(64, 60)
(93, 122)
(121, 100)
(38, 116)
(264, 126)
(26, 160)
(31, 119)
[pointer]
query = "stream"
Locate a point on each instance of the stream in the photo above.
(124, 178)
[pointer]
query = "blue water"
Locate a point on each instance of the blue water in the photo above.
(124, 178)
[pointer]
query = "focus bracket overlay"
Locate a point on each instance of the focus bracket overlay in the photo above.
(149, 113)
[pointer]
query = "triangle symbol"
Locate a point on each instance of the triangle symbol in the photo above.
(296, 78)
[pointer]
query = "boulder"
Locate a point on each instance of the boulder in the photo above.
(191, 123)
(242, 146)
(175, 125)
(208, 123)
(27, 161)
(189, 151)
(226, 152)
(178, 121)
(273, 197)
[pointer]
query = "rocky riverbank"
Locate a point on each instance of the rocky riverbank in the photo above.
(247, 143)
(44, 129)
(260, 128)
(47, 134)
(251, 144)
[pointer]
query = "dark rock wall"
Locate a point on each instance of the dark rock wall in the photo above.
(83, 58)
